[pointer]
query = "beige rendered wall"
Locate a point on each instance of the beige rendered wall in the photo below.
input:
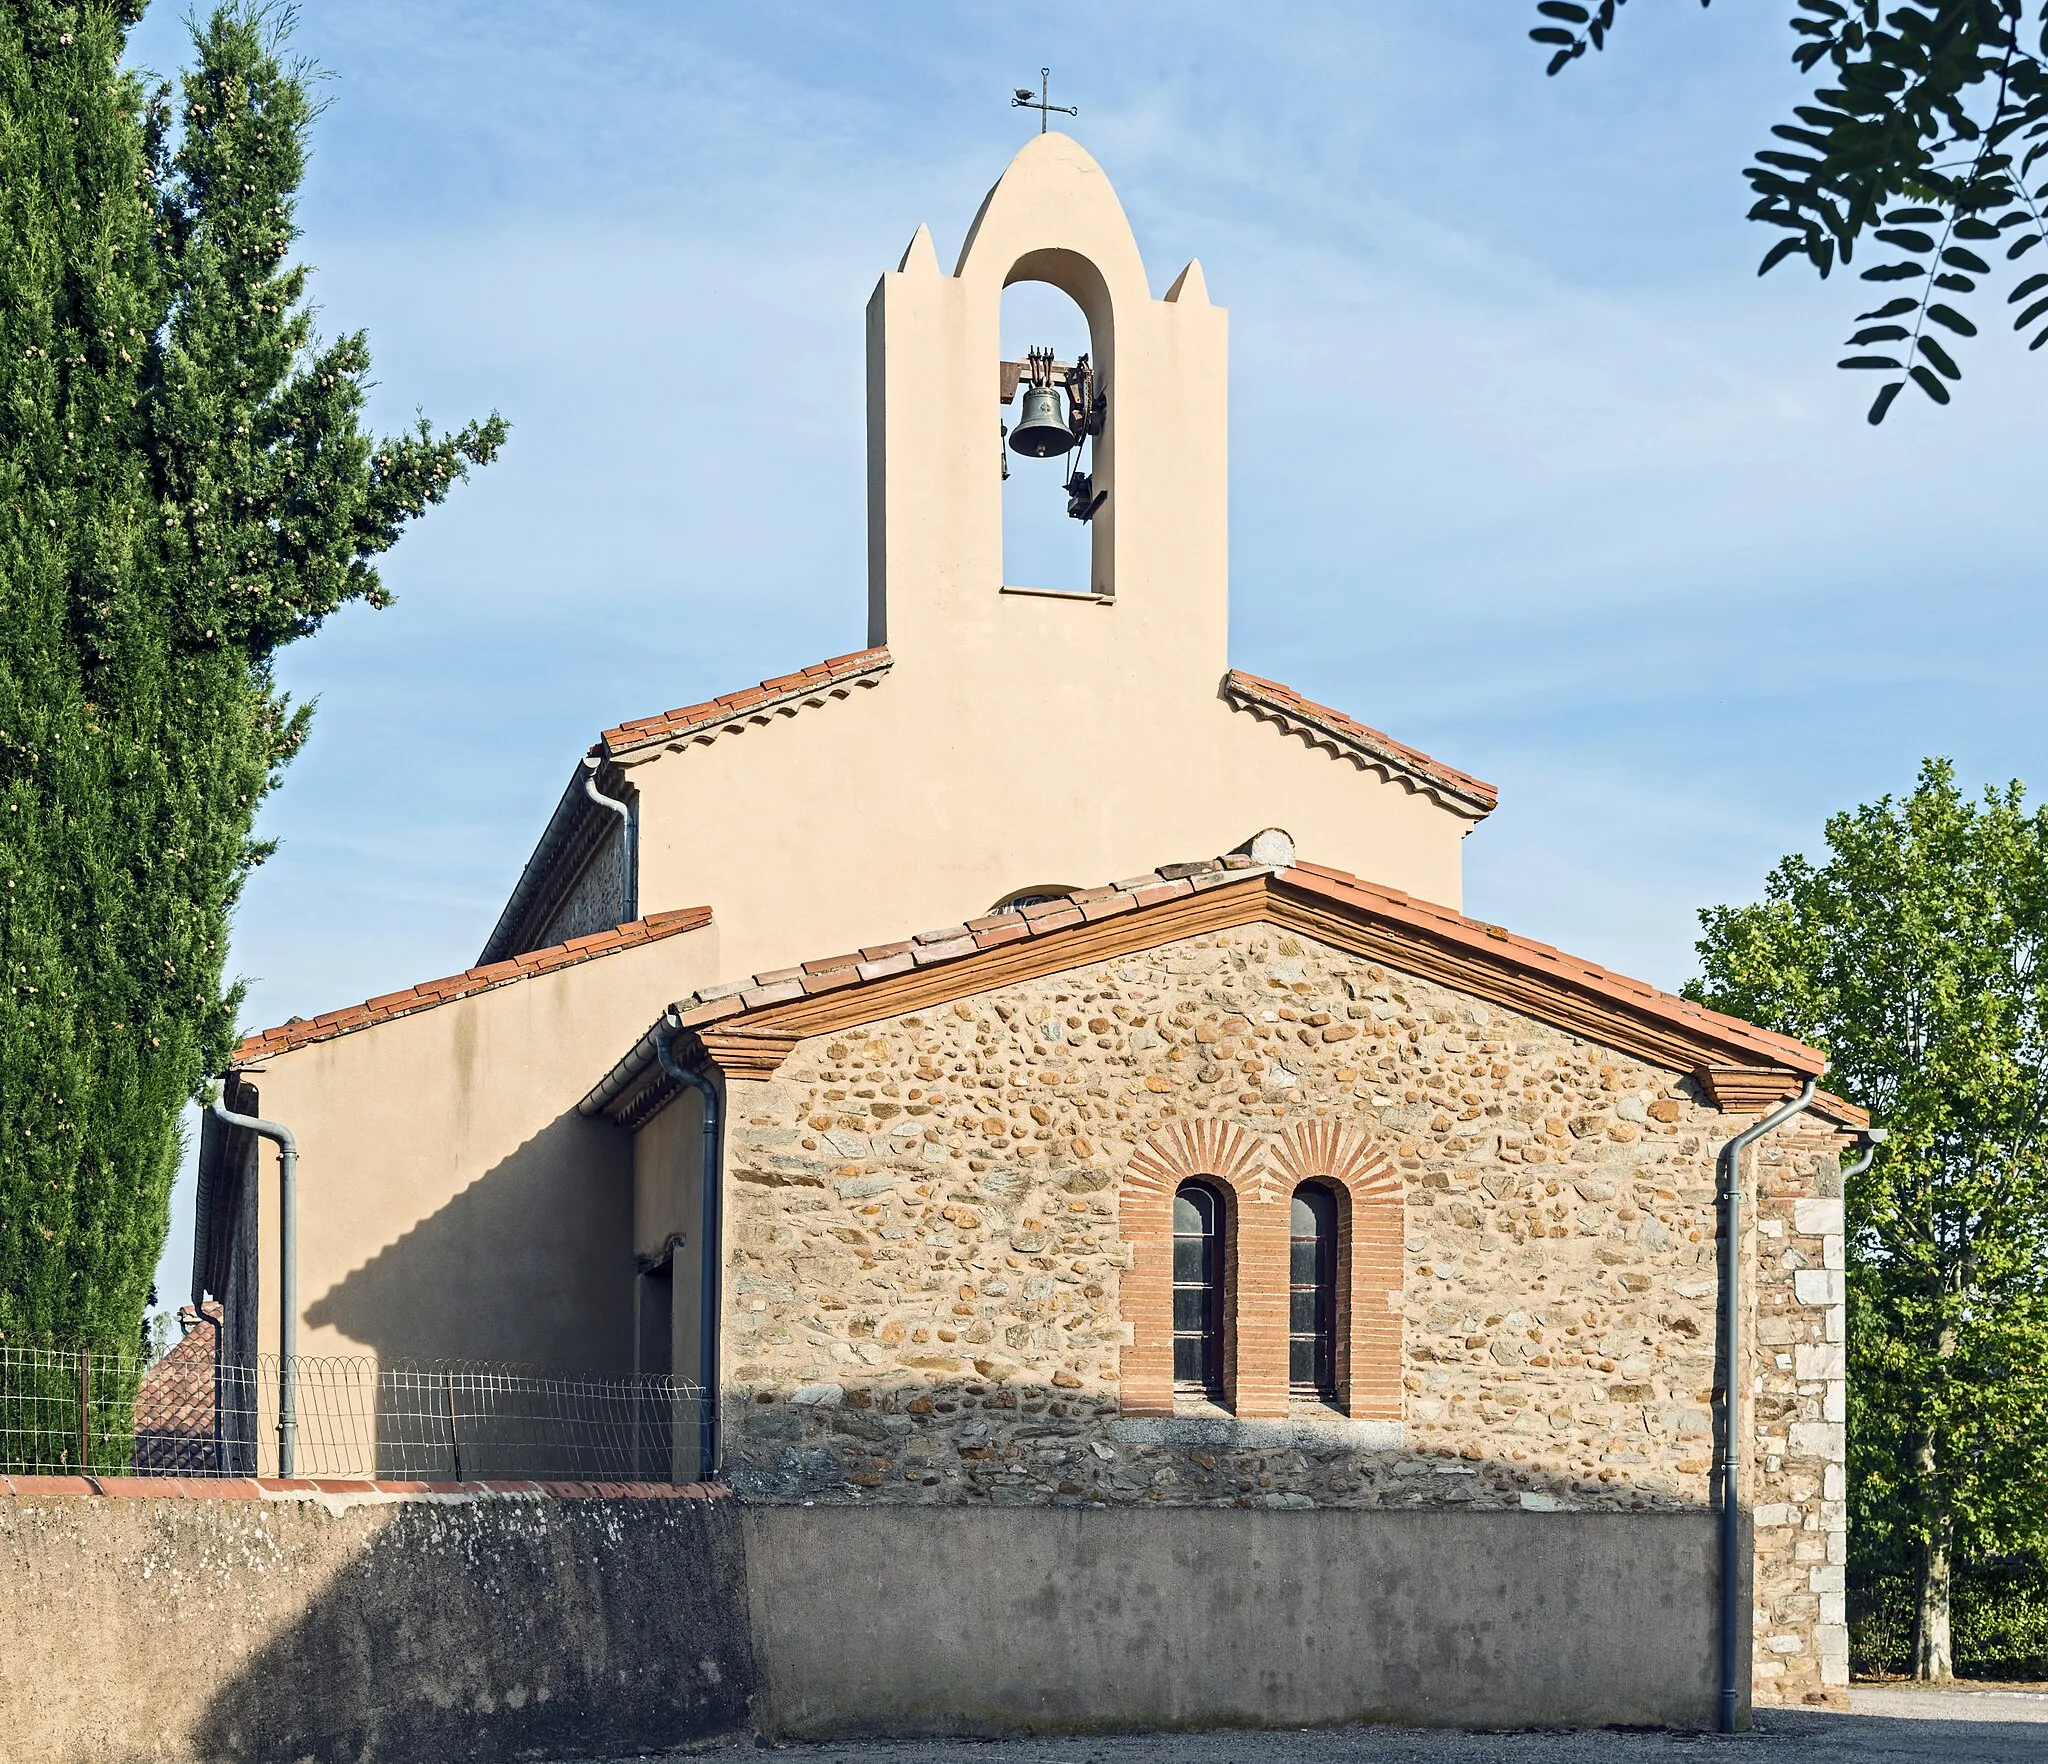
(1021, 739)
(668, 1176)
(452, 1203)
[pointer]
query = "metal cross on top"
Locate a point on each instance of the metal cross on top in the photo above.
(1023, 99)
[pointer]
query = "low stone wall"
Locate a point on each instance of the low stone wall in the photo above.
(359, 1621)
(386, 1624)
(899, 1621)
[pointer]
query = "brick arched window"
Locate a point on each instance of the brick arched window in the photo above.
(1365, 1302)
(1224, 1162)
(1312, 1293)
(1198, 1296)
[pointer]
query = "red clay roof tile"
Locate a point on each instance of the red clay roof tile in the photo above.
(786, 691)
(1492, 944)
(287, 1036)
(1287, 706)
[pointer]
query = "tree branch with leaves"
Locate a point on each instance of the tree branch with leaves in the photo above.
(1924, 135)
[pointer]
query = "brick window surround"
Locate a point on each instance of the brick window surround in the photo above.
(1257, 1175)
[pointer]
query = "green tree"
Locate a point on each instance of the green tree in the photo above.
(1923, 133)
(1917, 956)
(184, 486)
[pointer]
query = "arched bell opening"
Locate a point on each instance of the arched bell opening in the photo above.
(1050, 421)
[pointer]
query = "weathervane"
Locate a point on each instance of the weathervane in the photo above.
(1023, 99)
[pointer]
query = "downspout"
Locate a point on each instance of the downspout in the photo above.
(1730, 1162)
(288, 1275)
(1873, 1137)
(712, 1249)
(629, 904)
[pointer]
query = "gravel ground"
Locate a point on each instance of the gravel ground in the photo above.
(1964, 1726)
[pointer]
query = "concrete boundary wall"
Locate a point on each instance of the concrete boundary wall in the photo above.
(898, 1621)
(331, 1621)
(365, 1623)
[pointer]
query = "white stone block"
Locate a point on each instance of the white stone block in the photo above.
(1817, 1286)
(1816, 1439)
(1837, 1319)
(1775, 1514)
(1834, 1483)
(1817, 1218)
(1824, 1580)
(1833, 1608)
(1832, 1252)
(1834, 1405)
(1818, 1360)
(1784, 1644)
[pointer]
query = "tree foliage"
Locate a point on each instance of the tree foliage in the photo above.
(1917, 956)
(184, 486)
(1924, 135)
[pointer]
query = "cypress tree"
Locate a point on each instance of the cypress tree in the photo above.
(184, 486)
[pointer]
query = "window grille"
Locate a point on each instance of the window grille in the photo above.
(1312, 1294)
(1198, 1291)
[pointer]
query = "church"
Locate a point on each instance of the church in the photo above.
(1031, 1063)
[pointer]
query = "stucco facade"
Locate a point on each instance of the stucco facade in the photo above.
(453, 1204)
(1010, 739)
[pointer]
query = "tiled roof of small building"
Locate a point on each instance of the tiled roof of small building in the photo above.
(949, 943)
(1285, 706)
(782, 696)
(1480, 946)
(424, 997)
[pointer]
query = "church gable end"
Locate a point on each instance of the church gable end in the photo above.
(950, 1240)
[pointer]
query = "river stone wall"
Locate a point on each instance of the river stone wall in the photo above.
(926, 1262)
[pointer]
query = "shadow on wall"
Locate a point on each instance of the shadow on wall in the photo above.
(532, 1262)
(501, 1629)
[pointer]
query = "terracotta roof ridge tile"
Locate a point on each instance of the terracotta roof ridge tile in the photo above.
(1575, 968)
(1246, 689)
(301, 1032)
(861, 666)
(991, 931)
(1473, 939)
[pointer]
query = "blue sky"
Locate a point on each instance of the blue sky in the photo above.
(1528, 467)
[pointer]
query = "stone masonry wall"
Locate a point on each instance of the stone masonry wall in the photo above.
(1798, 1394)
(925, 1262)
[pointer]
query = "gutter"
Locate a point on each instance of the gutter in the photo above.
(288, 1275)
(712, 1247)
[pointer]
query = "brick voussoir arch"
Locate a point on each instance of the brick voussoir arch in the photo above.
(1221, 1153)
(1257, 1177)
(1369, 1257)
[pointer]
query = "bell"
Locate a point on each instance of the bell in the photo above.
(1042, 433)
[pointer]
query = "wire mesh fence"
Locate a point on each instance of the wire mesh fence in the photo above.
(72, 1411)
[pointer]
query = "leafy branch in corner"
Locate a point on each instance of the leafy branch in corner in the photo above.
(1925, 127)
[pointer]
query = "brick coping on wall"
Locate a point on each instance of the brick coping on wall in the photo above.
(292, 1488)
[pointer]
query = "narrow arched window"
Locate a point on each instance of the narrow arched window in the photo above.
(1312, 1294)
(1198, 1290)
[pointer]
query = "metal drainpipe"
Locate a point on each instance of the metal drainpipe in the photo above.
(1731, 1328)
(629, 905)
(710, 1251)
(288, 1275)
(1873, 1137)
